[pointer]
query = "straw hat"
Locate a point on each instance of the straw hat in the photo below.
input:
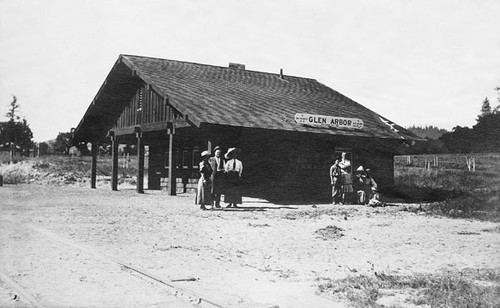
(360, 169)
(205, 153)
(231, 151)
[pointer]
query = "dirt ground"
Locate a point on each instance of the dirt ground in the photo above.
(64, 246)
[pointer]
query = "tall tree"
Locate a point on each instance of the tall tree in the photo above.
(15, 134)
(485, 108)
(497, 108)
(63, 143)
(13, 108)
(486, 137)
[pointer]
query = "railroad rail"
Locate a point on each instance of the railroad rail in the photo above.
(170, 284)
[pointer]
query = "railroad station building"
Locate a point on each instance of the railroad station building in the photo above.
(289, 129)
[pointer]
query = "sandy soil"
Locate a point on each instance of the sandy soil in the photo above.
(63, 246)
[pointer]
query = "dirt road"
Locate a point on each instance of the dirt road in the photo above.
(70, 246)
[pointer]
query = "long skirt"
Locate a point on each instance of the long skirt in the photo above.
(233, 195)
(347, 183)
(204, 193)
(232, 189)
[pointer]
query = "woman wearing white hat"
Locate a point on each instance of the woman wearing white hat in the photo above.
(233, 169)
(204, 191)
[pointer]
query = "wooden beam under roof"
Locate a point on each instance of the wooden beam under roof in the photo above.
(150, 127)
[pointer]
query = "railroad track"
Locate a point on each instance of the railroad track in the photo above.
(164, 282)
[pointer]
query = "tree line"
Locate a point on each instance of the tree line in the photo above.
(484, 136)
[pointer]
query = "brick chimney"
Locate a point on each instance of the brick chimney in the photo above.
(238, 66)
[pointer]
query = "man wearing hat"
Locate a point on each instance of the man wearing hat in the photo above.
(233, 169)
(204, 191)
(217, 164)
(347, 188)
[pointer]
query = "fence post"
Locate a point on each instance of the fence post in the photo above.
(427, 164)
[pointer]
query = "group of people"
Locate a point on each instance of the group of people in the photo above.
(219, 175)
(348, 189)
(222, 175)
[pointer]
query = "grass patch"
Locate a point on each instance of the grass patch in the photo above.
(330, 232)
(60, 169)
(317, 213)
(463, 289)
(454, 193)
(21, 172)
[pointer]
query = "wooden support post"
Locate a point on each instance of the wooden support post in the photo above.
(93, 172)
(114, 162)
(209, 146)
(172, 178)
(140, 161)
(154, 167)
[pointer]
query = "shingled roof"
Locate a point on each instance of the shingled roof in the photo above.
(209, 94)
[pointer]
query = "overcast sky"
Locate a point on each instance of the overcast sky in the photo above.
(414, 62)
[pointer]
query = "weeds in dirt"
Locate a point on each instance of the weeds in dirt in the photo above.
(258, 225)
(58, 169)
(495, 229)
(330, 232)
(454, 193)
(319, 212)
(21, 172)
(462, 289)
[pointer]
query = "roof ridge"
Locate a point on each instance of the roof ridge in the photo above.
(216, 66)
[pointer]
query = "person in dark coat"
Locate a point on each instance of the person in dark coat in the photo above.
(217, 177)
(347, 189)
(204, 191)
(336, 181)
(234, 170)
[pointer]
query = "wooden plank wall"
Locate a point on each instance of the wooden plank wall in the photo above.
(145, 107)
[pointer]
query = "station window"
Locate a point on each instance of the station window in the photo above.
(185, 159)
(196, 158)
(178, 161)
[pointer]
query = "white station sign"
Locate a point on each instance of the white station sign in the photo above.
(328, 121)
